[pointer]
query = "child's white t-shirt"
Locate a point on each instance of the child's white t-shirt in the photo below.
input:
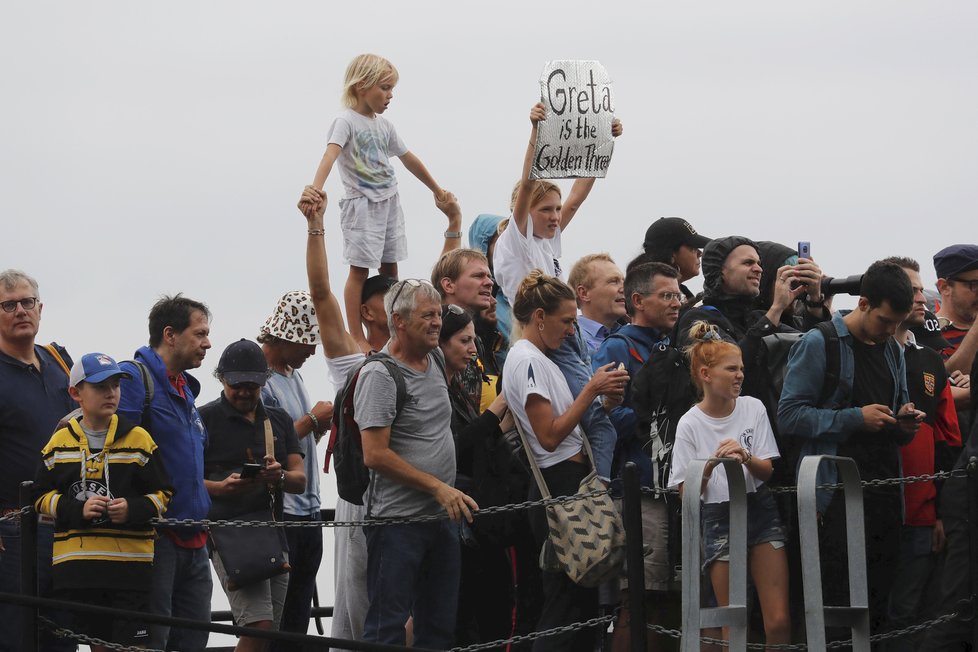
(368, 144)
(528, 371)
(515, 255)
(697, 437)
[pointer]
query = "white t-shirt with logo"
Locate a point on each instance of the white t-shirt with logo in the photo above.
(368, 145)
(515, 255)
(529, 372)
(698, 435)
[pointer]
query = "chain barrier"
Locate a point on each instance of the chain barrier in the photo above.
(875, 638)
(487, 511)
(16, 514)
(882, 482)
(62, 632)
(524, 638)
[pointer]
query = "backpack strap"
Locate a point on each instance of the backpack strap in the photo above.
(632, 345)
(833, 360)
(396, 375)
(53, 350)
(149, 388)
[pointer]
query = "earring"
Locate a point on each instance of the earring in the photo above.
(540, 326)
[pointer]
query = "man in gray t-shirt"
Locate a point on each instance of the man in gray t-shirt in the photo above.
(411, 457)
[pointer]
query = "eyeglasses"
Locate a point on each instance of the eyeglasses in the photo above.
(452, 308)
(971, 284)
(669, 297)
(28, 303)
(413, 282)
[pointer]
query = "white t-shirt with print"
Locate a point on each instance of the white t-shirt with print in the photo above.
(529, 372)
(698, 435)
(368, 145)
(515, 255)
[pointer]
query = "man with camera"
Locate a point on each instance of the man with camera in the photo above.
(867, 417)
(245, 471)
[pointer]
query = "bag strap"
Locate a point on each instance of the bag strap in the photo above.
(833, 362)
(269, 438)
(53, 350)
(537, 475)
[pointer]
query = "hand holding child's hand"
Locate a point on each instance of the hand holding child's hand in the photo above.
(94, 507)
(538, 113)
(312, 203)
(616, 128)
(447, 203)
(118, 510)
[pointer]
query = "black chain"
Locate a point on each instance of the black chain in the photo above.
(594, 622)
(62, 632)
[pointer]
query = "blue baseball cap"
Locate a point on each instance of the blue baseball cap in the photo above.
(94, 368)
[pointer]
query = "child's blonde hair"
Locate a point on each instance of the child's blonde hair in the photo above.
(365, 71)
(706, 349)
(538, 190)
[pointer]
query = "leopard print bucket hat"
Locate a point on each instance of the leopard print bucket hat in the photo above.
(294, 319)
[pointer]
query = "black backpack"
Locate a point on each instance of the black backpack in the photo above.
(662, 391)
(777, 347)
(345, 443)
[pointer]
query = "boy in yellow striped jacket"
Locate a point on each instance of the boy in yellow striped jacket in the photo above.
(102, 483)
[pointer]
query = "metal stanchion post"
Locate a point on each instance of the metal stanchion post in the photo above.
(634, 557)
(28, 568)
(973, 528)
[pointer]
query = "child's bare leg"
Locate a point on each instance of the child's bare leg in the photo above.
(351, 300)
(388, 269)
(720, 579)
(769, 568)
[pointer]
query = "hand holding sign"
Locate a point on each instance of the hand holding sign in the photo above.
(575, 121)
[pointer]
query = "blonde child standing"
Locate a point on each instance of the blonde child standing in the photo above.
(363, 141)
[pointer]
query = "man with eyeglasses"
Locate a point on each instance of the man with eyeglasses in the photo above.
(235, 424)
(654, 298)
(33, 398)
(957, 282)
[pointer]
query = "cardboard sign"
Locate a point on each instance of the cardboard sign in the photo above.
(575, 139)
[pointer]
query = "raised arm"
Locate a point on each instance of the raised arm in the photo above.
(582, 188)
(521, 207)
(337, 341)
(448, 204)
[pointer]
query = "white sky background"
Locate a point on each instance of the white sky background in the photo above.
(156, 148)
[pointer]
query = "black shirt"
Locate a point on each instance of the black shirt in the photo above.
(233, 440)
(876, 453)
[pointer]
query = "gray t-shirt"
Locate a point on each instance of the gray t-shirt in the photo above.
(421, 435)
(368, 145)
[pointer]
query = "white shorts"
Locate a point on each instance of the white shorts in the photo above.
(253, 603)
(373, 231)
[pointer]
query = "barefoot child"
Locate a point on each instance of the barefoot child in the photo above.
(102, 483)
(363, 142)
(726, 424)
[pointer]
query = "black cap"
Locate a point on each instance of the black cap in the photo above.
(376, 284)
(956, 259)
(243, 362)
(671, 232)
(929, 333)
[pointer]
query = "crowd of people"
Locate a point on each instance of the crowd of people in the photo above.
(448, 377)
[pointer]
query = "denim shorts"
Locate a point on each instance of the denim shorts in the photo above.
(763, 526)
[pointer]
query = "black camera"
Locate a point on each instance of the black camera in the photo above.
(849, 285)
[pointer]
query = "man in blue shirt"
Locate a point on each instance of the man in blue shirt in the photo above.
(33, 398)
(654, 298)
(600, 288)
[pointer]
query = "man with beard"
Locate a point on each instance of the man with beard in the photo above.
(867, 417)
(236, 423)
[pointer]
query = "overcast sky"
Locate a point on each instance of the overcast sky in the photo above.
(151, 148)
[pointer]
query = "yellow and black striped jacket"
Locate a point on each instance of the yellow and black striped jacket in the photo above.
(98, 553)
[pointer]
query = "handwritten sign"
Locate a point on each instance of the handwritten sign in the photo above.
(575, 139)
